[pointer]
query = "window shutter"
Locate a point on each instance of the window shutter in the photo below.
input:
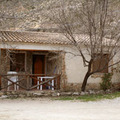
(101, 63)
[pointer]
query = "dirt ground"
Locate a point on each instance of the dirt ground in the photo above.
(47, 109)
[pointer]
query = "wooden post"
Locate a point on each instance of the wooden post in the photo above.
(0, 69)
(58, 81)
(28, 83)
(0, 56)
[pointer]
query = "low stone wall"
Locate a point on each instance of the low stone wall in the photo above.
(32, 94)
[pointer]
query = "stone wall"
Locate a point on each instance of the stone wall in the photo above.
(29, 62)
(56, 65)
(29, 65)
(4, 65)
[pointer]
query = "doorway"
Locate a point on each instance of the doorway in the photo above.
(38, 66)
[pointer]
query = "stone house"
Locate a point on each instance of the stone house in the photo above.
(43, 55)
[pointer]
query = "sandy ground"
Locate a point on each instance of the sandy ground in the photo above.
(46, 109)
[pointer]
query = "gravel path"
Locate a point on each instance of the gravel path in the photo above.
(46, 109)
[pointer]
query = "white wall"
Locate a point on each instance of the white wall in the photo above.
(75, 69)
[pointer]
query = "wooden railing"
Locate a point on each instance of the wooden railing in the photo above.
(30, 82)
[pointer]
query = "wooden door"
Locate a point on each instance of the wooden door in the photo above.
(38, 66)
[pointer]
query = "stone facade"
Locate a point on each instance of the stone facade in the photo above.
(4, 65)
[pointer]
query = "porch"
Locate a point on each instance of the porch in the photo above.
(30, 70)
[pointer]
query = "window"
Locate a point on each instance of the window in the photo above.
(17, 62)
(101, 63)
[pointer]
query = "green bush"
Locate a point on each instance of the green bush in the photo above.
(106, 82)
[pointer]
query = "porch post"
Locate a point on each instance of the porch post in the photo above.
(0, 57)
(28, 83)
(0, 68)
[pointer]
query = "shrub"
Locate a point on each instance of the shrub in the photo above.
(106, 82)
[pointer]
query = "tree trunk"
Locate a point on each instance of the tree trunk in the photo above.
(85, 81)
(87, 76)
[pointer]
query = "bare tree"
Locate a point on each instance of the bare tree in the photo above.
(99, 21)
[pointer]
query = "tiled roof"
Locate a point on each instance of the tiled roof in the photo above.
(45, 38)
(34, 37)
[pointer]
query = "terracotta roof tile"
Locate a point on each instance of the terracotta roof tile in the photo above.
(45, 38)
(34, 37)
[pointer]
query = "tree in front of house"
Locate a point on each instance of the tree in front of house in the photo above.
(99, 20)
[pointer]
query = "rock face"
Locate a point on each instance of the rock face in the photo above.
(20, 14)
(25, 14)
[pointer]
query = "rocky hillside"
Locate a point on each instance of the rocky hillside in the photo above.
(25, 14)
(28, 14)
